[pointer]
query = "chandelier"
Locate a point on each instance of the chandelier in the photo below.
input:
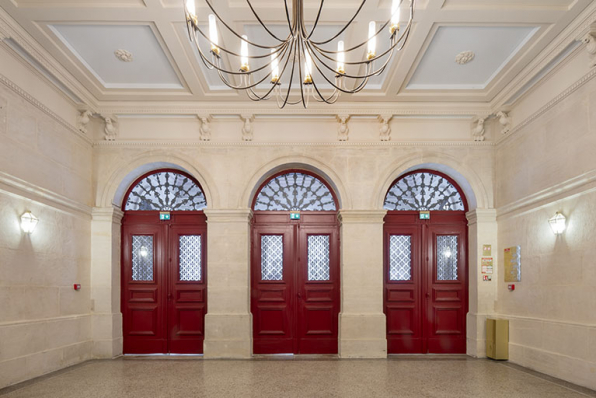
(288, 65)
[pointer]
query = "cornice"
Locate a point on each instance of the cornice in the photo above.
(481, 216)
(578, 185)
(107, 214)
(199, 144)
(551, 104)
(33, 101)
(228, 215)
(22, 188)
(361, 216)
(13, 30)
(578, 28)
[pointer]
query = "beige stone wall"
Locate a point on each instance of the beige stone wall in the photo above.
(546, 167)
(44, 167)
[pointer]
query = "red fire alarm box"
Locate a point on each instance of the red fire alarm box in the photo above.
(77, 286)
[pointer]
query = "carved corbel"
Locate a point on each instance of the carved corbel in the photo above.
(343, 129)
(385, 130)
(247, 127)
(111, 127)
(505, 121)
(83, 119)
(478, 129)
(205, 127)
(590, 42)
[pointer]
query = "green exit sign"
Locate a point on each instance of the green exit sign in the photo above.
(295, 215)
(164, 215)
(425, 215)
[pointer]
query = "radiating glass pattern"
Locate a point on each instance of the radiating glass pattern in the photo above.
(423, 191)
(318, 257)
(447, 256)
(400, 258)
(272, 257)
(166, 191)
(190, 257)
(142, 258)
(295, 191)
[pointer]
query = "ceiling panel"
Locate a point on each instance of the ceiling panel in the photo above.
(493, 46)
(95, 47)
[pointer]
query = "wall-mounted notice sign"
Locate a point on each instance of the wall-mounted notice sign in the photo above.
(512, 260)
(486, 250)
(487, 278)
(487, 265)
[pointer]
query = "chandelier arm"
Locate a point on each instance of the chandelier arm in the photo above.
(329, 100)
(300, 45)
(345, 27)
(232, 30)
(316, 20)
(291, 77)
(211, 65)
(353, 76)
(288, 18)
(261, 22)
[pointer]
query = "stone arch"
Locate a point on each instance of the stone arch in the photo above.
(464, 176)
(298, 162)
(116, 186)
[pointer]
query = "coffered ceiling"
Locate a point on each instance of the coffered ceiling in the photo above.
(157, 62)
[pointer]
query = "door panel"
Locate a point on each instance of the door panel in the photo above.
(186, 295)
(425, 283)
(403, 289)
(164, 298)
(295, 284)
(272, 298)
(143, 289)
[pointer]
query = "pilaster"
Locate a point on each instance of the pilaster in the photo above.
(228, 323)
(482, 230)
(362, 323)
(105, 281)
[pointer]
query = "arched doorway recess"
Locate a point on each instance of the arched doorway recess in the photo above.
(295, 265)
(425, 264)
(164, 297)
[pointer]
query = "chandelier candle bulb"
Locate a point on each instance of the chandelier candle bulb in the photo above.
(341, 58)
(244, 55)
(372, 40)
(213, 34)
(274, 67)
(395, 15)
(191, 8)
(308, 68)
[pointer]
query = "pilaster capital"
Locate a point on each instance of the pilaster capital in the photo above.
(107, 214)
(361, 216)
(228, 215)
(477, 216)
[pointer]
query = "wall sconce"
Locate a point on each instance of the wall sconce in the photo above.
(28, 222)
(557, 223)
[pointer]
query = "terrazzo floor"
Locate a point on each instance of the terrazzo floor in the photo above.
(144, 378)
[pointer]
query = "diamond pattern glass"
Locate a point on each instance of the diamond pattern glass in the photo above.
(447, 256)
(400, 258)
(142, 258)
(272, 257)
(190, 257)
(295, 192)
(166, 191)
(318, 257)
(423, 191)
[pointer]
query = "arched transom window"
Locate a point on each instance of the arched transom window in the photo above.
(166, 191)
(423, 191)
(295, 191)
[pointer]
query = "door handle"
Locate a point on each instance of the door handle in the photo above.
(427, 295)
(299, 296)
(170, 296)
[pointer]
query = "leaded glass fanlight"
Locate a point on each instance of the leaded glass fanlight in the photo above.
(423, 191)
(295, 191)
(166, 191)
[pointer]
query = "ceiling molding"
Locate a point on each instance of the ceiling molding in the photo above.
(208, 144)
(13, 30)
(33, 101)
(575, 31)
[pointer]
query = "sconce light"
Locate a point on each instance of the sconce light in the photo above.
(557, 223)
(28, 222)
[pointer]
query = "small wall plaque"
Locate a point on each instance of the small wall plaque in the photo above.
(512, 259)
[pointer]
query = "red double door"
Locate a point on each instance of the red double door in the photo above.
(295, 283)
(164, 297)
(426, 285)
